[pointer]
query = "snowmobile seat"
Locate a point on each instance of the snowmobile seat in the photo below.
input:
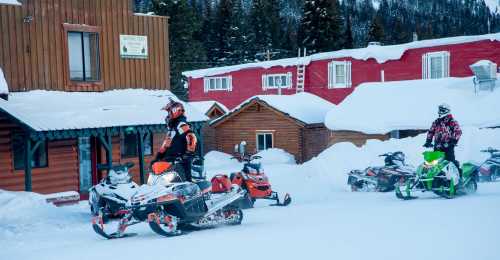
(204, 185)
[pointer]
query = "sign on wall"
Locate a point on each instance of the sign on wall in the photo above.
(133, 46)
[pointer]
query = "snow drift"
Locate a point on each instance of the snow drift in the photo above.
(378, 108)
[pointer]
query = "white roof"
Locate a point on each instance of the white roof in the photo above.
(378, 108)
(204, 106)
(381, 54)
(305, 107)
(4, 88)
(9, 2)
(56, 110)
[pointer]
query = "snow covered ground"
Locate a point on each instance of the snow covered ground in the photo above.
(324, 221)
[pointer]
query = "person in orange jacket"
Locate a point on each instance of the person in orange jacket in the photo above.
(180, 141)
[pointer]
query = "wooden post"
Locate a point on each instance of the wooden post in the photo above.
(27, 163)
(140, 138)
(108, 146)
(109, 151)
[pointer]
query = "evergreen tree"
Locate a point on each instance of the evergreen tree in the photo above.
(376, 33)
(265, 26)
(321, 25)
(183, 26)
(348, 39)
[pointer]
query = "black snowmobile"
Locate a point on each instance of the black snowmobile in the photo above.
(489, 170)
(382, 178)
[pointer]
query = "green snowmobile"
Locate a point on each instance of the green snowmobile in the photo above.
(441, 177)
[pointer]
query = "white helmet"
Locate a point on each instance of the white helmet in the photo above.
(443, 110)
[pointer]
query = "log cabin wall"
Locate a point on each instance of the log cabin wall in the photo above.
(61, 174)
(254, 118)
(316, 139)
(34, 51)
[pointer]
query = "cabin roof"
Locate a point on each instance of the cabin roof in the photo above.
(42, 110)
(305, 108)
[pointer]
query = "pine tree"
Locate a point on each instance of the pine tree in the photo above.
(183, 27)
(376, 33)
(348, 39)
(264, 25)
(321, 25)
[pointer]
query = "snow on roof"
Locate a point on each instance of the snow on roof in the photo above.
(205, 106)
(304, 107)
(4, 88)
(378, 108)
(56, 110)
(9, 2)
(381, 54)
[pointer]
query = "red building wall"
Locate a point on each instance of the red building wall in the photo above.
(248, 82)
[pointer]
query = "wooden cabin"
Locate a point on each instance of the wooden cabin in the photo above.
(290, 122)
(86, 81)
(213, 110)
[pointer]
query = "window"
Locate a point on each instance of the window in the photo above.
(264, 141)
(218, 84)
(39, 159)
(339, 74)
(83, 53)
(130, 145)
(274, 81)
(436, 65)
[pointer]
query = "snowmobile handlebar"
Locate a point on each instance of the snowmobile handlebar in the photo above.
(490, 150)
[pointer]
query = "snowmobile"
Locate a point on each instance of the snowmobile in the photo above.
(441, 177)
(382, 178)
(171, 206)
(489, 170)
(111, 194)
(255, 182)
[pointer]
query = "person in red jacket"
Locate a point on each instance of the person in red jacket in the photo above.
(445, 131)
(180, 141)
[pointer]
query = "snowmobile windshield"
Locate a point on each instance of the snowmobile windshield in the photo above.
(431, 157)
(164, 179)
(252, 168)
(119, 176)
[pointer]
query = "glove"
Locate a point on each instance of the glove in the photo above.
(428, 144)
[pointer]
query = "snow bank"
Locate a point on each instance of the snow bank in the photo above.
(321, 178)
(276, 156)
(305, 107)
(381, 54)
(22, 212)
(56, 110)
(9, 2)
(333, 164)
(4, 88)
(378, 108)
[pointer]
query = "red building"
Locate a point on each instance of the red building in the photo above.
(334, 75)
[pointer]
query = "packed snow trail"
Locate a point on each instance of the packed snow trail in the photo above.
(349, 226)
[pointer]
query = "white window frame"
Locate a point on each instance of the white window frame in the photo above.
(332, 74)
(427, 64)
(266, 77)
(217, 80)
(264, 133)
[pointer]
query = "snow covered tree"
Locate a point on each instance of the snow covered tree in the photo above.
(376, 33)
(348, 39)
(321, 25)
(183, 27)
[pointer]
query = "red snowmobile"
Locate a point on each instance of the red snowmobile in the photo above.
(254, 181)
